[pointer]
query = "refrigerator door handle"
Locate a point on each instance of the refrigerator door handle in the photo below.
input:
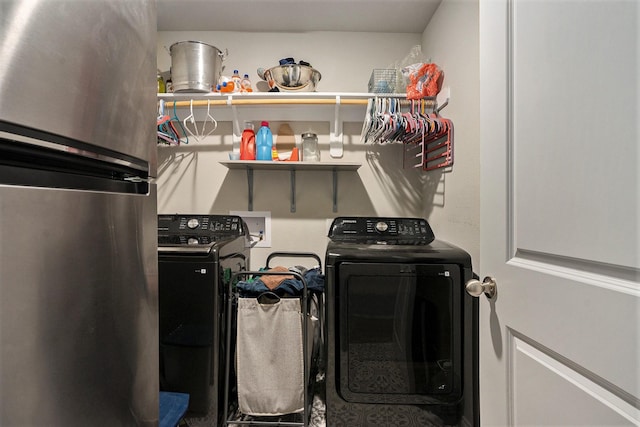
(36, 139)
(139, 179)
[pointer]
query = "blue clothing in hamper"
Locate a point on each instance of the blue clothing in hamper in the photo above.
(313, 277)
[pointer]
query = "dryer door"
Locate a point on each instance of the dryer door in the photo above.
(399, 333)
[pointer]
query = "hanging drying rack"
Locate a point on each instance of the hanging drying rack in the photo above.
(427, 137)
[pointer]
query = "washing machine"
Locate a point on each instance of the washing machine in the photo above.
(197, 254)
(402, 334)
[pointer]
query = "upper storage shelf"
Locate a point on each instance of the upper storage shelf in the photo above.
(336, 108)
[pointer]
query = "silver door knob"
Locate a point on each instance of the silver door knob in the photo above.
(488, 287)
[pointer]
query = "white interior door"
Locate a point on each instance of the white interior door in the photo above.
(560, 232)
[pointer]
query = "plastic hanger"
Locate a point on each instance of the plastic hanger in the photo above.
(166, 130)
(190, 119)
(208, 118)
(366, 125)
(177, 120)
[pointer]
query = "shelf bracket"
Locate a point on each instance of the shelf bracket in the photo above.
(442, 99)
(250, 189)
(293, 190)
(237, 131)
(336, 146)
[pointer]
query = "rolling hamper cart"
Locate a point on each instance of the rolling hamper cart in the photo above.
(277, 318)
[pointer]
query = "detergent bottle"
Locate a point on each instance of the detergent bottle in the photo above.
(248, 143)
(264, 142)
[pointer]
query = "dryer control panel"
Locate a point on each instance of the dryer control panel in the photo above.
(198, 229)
(381, 230)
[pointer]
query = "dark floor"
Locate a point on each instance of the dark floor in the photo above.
(317, 412)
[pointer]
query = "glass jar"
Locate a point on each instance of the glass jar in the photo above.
(310, 151)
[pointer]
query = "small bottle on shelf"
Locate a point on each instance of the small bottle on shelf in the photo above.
(161, 86)
(245, 84)
(235, 78)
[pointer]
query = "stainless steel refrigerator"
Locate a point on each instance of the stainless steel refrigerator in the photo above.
(78, 260)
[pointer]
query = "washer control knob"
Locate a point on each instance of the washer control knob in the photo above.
(192, 241)
(382, 226)
(193, 223)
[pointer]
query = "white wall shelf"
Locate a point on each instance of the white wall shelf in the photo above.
(336, 108)
(292, 167)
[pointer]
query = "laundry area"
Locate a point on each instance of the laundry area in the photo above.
(382, 332)
(349, 213)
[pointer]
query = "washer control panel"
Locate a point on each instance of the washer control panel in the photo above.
(381, 230)
(198, 229)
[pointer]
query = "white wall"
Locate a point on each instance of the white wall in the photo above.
(345, 59)
(451, 41)
(191, 180)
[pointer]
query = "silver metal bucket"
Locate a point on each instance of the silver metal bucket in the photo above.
(195, 66)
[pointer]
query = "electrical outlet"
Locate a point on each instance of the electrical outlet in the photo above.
(259, 224)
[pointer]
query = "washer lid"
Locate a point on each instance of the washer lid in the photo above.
(381, 230)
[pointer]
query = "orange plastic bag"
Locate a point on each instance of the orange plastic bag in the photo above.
(424, 80)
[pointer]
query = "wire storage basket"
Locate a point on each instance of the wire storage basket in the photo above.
(385, 81)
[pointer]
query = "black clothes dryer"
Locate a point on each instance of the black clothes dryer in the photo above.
(402, 334)
(197, 254)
